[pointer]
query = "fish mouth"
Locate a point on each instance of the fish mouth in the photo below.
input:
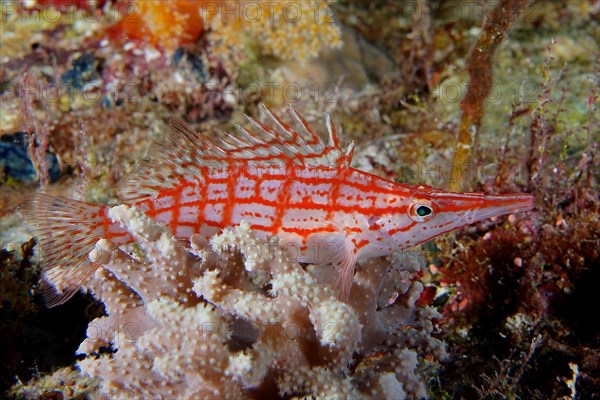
(502, 204)
(476, 207)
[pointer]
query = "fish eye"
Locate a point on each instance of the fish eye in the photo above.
(423, 211)
(420, 210)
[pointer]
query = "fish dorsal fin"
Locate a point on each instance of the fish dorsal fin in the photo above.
(281, 142)
(183, 153)
(171, 158)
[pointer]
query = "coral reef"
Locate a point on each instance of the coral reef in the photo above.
(519, 277)
(66, 382)
(500, 284)
(239, 315)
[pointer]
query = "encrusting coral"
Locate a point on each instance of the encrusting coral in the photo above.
(239, 315)
(290, 29)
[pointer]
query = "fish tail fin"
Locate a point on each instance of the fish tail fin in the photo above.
(66, 230)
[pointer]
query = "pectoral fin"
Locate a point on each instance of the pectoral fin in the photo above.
(346, 274)
(336, 249)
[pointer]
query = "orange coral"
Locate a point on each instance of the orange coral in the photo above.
(163, 24)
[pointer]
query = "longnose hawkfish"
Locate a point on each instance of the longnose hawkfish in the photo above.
(281, 181)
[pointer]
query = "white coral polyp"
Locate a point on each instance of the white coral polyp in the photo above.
(336, 323)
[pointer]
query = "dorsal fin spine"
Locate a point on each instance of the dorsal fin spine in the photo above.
(263, 128)
(236, 139)
(314, 138)
(349, 154)
(333, 139)
(282, 125)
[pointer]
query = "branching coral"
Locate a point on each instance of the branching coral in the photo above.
(239, 315)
